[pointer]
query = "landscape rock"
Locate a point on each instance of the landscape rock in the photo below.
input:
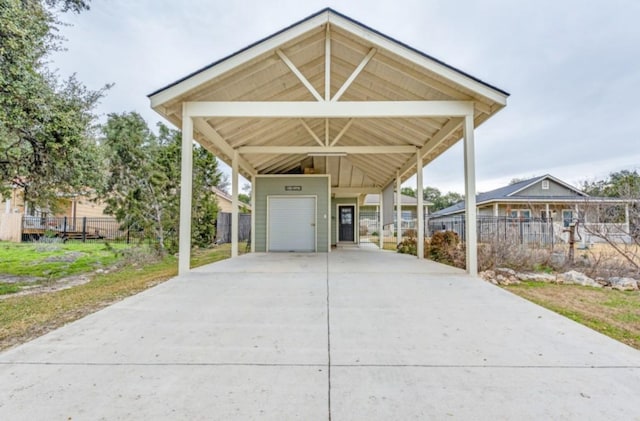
(623, 284)
(578, 278)
(533, 276)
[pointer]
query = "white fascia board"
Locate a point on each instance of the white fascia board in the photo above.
(301, 150)
(236, 60)
(328, 109)
(419, 59)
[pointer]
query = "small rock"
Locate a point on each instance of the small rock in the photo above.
(577, 278)
(623, 284)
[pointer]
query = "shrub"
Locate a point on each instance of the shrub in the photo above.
(443, 246)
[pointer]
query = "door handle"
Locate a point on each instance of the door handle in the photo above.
(313, 225)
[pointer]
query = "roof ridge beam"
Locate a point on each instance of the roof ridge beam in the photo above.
(299, 75)
(354, 75)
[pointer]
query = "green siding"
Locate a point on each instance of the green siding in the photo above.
(342, 201)
(275, 186)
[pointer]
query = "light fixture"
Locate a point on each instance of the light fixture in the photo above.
(327, 154)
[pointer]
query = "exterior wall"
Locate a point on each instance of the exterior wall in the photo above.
(334, 217)
(85, 207)
(224, 205)
(275, 186)
(11, 227)
(554, 189)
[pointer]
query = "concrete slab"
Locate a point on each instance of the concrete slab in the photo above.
(353, 334)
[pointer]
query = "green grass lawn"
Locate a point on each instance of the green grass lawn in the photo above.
(55, 260)
(611, 312)
(23, 318)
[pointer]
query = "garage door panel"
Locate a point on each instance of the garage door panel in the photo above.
(291, 225)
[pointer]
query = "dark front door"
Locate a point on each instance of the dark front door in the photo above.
(347, 214)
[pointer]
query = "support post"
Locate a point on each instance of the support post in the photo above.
(470, 196)
(234, 204)
(186, 192)
(381, 222)
(253, 214)
(398, 209)
(627, 223)
(420, 210)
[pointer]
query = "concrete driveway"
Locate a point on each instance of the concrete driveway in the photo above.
(349, 335)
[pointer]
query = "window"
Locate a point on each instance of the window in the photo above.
(545, 184)
(524, 214)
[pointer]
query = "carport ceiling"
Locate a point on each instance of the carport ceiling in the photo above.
(328, 57)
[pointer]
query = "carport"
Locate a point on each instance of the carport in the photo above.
(330, 98)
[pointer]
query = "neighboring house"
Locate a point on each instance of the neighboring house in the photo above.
(544, 198)
(71, 213)
(225, 200)
(409, 209)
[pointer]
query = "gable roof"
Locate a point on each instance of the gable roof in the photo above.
(509, 193)
(310, 17)
(333, 60)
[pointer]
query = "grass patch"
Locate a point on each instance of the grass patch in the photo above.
(8, 288)
(55, 260)
(27, 317)
(611, 312)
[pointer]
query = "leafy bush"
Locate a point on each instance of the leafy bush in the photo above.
(445, 247)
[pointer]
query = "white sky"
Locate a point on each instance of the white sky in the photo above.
(572, 68)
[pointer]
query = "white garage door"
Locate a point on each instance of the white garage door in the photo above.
(292, 224)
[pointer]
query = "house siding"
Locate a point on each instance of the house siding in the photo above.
(554, 189)
(275, 186)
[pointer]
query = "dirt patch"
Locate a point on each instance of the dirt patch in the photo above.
(17, 279)
(48, 287)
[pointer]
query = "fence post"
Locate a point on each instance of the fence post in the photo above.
(84, 229)
(128, 231)
(64, 226)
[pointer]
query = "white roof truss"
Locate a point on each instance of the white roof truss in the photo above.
(331, 94)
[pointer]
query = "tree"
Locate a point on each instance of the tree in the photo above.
(408, 191)
(622, 184)
(46, 134)
(143, 187)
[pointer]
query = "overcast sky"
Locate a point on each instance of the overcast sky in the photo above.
(572, 68)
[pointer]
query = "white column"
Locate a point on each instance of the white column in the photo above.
(420, 210)
(496, 210)
(626, 219)
(186, 193)
(546, 211)
(7, 208)
(234, 204)
(381, 222)
(398, 208)
(470, 197)
(253, 214)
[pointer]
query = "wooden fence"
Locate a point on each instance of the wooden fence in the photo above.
(223, 227)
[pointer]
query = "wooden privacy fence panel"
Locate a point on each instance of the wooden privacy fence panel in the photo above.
(223, 227)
